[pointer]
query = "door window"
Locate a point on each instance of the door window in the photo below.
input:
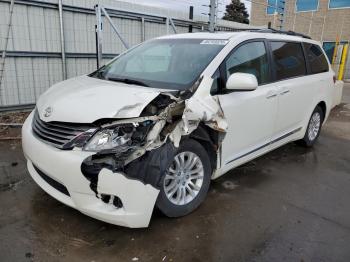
(249, 58)
(317, 60)
(289, 59)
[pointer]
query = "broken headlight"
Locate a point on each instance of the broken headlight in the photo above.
(110, 138)
(120, 136)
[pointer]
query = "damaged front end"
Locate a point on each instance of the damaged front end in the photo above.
(136, 152)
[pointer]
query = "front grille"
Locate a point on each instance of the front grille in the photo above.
(56, 185)
(58, 134)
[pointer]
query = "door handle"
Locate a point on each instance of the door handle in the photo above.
(284, 92)
(271, 95)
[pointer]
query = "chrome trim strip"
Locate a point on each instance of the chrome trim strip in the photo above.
(265, 145)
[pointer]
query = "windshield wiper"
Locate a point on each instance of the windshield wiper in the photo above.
(100, 73)
(127, 81)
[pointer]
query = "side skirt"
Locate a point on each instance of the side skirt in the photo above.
(265, 145)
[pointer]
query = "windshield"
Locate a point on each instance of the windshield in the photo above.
(163, 63)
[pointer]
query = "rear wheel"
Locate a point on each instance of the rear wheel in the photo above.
(314, 127)
(185, 184)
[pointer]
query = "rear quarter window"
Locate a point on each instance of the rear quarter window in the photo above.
(316, 58)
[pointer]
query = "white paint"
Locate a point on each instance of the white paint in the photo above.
(338, 93)
(86, 99)
(250, 120)
(242, 82)
(138, 199)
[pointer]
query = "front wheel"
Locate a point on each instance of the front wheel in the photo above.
(314, 127)
(185, 184)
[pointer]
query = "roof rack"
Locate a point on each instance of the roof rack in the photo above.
(271, 30)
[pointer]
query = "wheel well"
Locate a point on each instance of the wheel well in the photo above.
(322, 104)
(208, 138)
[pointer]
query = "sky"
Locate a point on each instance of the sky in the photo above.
(183, 5)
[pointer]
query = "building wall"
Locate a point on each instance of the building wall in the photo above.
(324, 25)
(333, 22)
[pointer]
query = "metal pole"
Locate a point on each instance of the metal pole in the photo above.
(98, 28)
(126, 45)
(282, 9)
(63, 49)
(342, 62)
(3, 56)
(143, 36)
(190, 27)
(167, 25)
(172, 25)
(212, 15)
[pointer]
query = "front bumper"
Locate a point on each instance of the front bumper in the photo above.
(64, 167)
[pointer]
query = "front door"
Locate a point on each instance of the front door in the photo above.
(250, 114)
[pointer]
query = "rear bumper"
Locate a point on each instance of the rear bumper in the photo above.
(338, 93)
(64, 168)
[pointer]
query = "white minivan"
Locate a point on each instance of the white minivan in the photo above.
(157, 123)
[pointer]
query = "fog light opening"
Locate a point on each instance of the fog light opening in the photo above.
(112, 200)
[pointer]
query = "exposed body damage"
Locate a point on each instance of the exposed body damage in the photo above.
(147, 160)
(121, 185)
(106, 140)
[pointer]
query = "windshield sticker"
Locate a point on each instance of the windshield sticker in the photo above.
(214, 42)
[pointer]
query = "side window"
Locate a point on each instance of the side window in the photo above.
(250, 58)
(289, 59)
(317, 60)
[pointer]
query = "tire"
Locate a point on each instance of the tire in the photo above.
(176, 184)
(313, 129)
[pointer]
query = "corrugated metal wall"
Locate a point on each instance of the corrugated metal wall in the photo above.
(33, 60)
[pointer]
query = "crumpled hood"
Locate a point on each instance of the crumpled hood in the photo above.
(86, 99)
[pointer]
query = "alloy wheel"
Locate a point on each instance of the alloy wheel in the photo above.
(314, 126)
(184, 178)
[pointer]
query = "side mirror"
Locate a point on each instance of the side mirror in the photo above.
(242, 82)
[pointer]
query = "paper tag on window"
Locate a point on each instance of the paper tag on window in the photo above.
(214, 42)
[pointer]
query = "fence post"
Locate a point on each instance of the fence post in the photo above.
(190, 28)
(63, 48)
(98, 28)
(3, 55)
(143, 35)
(167, 25)
(212, 15)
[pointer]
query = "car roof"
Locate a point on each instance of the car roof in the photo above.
(233, 35)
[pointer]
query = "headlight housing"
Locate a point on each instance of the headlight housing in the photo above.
(110, 138)
(119, 137)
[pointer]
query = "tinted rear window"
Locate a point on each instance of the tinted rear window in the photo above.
(317, 60)
(289, 59)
